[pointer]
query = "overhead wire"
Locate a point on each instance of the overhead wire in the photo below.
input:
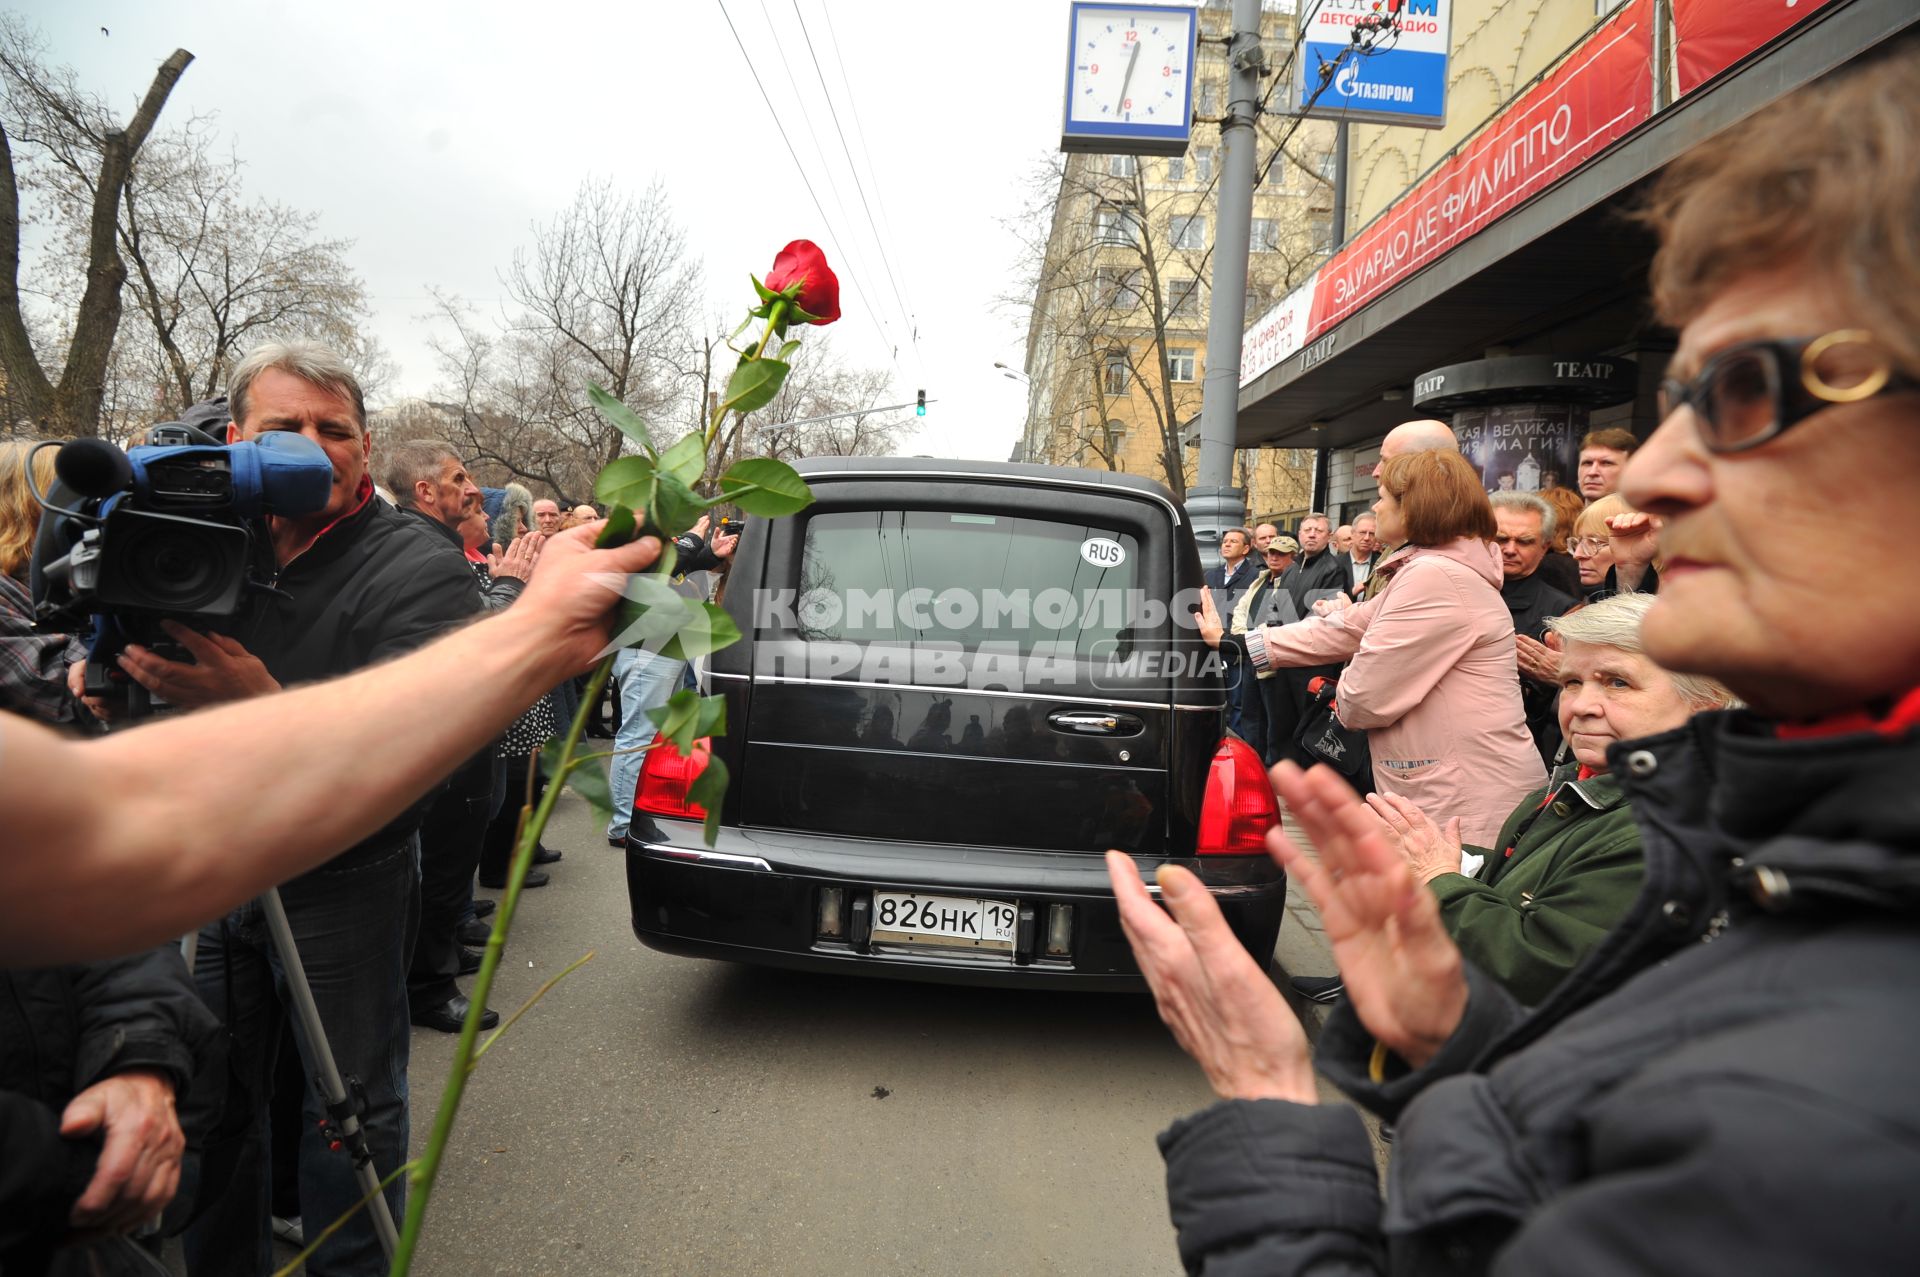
(801, 168)
(856, 262)
(858, 186)
(879, 187)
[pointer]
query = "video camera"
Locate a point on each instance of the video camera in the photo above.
(166, 530)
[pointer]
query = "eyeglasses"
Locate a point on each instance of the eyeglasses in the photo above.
(1748, 393)
(1588, 545)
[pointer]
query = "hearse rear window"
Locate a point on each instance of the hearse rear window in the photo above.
(936, 576)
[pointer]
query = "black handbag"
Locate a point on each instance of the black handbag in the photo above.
(1322, 737)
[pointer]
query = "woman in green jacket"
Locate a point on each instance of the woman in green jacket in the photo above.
(1567, 863)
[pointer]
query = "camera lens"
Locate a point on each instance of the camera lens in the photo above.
(179, 569)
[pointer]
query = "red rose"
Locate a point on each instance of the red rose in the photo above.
(802, 264)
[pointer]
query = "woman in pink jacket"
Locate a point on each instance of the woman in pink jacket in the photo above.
(1431, 676)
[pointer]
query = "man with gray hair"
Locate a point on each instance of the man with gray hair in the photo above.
(1524, 533)
(358, 582)
(431, 484)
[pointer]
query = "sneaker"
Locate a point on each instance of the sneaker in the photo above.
(289, 1231)
(1319, 988)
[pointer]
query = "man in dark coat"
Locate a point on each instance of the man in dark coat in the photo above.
(95, 1060)
(1320, 572)
(1227, 580)
(1525, 531)
(429, 483)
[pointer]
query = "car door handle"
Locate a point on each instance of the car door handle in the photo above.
(1094, 722)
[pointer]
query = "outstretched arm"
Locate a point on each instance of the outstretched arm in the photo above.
(117, 844)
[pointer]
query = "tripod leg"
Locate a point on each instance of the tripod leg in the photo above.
(332, 1088)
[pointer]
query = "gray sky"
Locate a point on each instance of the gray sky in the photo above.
(435, 134)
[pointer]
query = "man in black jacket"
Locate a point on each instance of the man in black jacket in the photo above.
(1524, 532)
(356, 583)
(1320, 572)
(95, 1058)
(429, 483)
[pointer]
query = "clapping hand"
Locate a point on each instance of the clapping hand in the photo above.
(1431, 850)
(1403, 973)
(1537, 661)
(1209, 619)
(519, 559)
(1221, 1006)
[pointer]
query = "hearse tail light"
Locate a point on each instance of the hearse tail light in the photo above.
(1239, 806)
(665, 777)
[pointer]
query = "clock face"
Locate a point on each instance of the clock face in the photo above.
(1129, 73)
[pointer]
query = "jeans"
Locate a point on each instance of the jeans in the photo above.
(353, 928)
(647, 679)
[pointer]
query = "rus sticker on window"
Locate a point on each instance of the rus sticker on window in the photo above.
(1102, 552)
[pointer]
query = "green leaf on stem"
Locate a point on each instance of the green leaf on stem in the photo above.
(709, 790)
(679, 719)
(787, 351)
(584, 779)
(761, 485)
(713, 717)
(621, 528)
(754, 384)
(626, 481)
(650, 612)
(623, 418)
(708, 630)
(744, 325)
(676, 507)
(685, 460)
(767, 295)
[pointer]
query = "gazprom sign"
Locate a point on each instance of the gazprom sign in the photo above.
(1403, 80)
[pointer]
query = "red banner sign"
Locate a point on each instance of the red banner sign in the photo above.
(1594, 98)
(1711, 35)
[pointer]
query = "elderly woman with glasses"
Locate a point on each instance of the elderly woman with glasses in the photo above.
(1724, 1085)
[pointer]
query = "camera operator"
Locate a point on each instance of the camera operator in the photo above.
(357, 582)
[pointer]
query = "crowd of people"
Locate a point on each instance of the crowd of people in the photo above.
(1650, 1015)
(181, 1075)
(1622, 898)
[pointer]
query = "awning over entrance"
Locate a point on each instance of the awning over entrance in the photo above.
(1565, 262)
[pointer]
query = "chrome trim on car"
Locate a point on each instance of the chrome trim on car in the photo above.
(960, 691)
(951, 757)
(1224, 893)
(704, 857)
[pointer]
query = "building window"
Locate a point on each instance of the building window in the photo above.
(1266, 234)
(1209, 103)
(1322, 228)
(1176, 168)
(1183, 298)
(1203, 164)
(1117, 374)
(1122, 165)
(1115, 225)
(1256, 304)
(1189, 231)
(1116, 436)
(1180, 363)
(1116, 287)
(1329, 165)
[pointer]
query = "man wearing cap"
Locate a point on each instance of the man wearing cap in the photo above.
(1265, 603)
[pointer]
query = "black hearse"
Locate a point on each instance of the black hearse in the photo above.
(961, 682)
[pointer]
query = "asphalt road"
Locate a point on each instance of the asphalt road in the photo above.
(663, 1115)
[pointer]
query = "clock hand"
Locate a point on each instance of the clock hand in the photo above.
(1128, 81)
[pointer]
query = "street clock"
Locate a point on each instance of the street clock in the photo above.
(1129, 79)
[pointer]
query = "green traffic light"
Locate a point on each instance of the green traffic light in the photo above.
(920, 409)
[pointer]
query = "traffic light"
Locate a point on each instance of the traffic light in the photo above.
(920, 409)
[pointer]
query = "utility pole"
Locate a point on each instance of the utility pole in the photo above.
(1213, 504)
